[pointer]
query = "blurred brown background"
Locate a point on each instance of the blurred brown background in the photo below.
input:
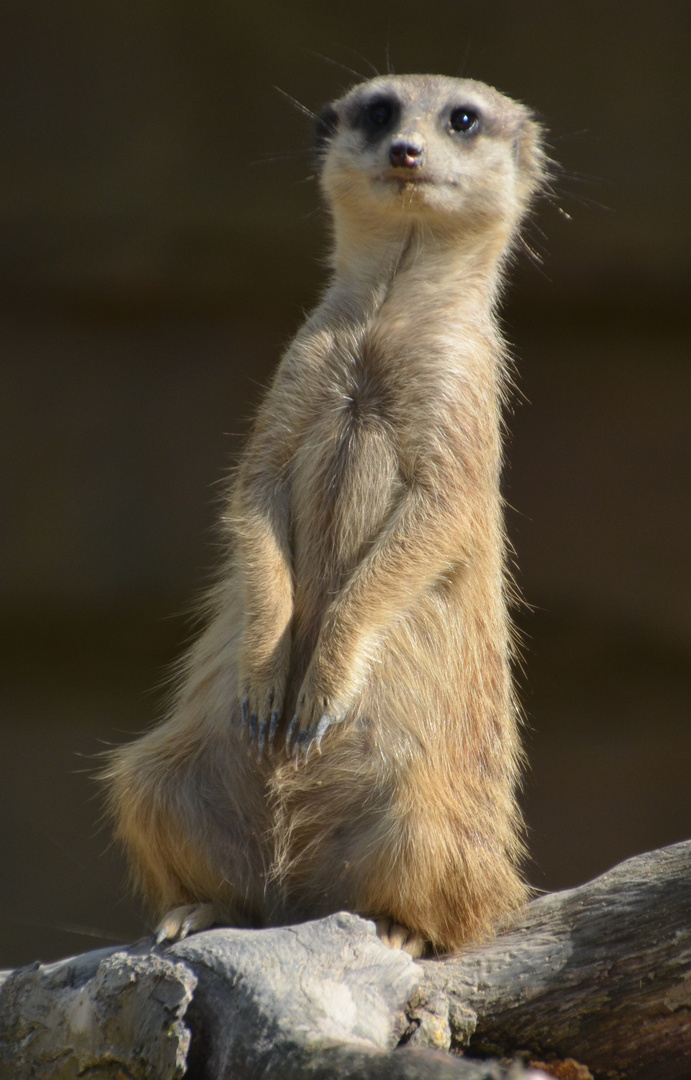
(160, 241)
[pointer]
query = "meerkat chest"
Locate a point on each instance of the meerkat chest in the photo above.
(346, 470)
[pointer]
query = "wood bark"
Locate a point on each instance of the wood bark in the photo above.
(601, 973)
(595, 980)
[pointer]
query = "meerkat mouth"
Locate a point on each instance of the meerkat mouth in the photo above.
(408, 181)
(411, 181)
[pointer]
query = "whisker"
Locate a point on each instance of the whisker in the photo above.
(369, 63)
(271, 159)
(298, 104)
(338, 64)
(389, 66)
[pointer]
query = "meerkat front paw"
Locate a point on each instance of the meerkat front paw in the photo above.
(262, 706)
(262, 696)
(311, 723)
(184, 920)
(317, 709)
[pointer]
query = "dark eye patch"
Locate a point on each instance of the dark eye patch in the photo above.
(377, 115)
(464, 120)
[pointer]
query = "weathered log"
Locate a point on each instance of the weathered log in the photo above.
(600, 974)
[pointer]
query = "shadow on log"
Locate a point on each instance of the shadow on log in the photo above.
(600, 974)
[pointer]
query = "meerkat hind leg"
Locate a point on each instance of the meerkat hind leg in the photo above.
(397, 936)
(186, 919)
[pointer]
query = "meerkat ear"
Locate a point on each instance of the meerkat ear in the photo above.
(530, 155)
(327, 122)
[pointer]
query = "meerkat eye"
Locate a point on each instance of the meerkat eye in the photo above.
(374, 117)
(464, 120)
(379, 113)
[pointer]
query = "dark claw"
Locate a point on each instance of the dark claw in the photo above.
(262, 738)
(274, 725)
(245, 712)
(301, 744)
(253, 726)
(291, 731)
(307, 745)
(322, 728)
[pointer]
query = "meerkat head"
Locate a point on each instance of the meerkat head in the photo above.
(454, 152)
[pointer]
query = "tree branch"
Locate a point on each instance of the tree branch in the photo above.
(600, 974)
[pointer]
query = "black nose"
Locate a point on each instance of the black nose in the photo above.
(405, 154)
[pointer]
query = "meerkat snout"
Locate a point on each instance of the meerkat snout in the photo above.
(407, 153)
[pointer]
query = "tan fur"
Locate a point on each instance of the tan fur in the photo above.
(365, 580)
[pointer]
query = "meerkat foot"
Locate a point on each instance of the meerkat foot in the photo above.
(184, 920)
(397, 936)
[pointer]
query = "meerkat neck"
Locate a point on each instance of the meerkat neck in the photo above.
(369, 265)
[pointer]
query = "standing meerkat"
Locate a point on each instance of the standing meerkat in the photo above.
(345, 733)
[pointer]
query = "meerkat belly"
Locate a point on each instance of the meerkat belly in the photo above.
(346, 483)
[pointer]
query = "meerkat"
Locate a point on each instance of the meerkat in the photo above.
(345, 734)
